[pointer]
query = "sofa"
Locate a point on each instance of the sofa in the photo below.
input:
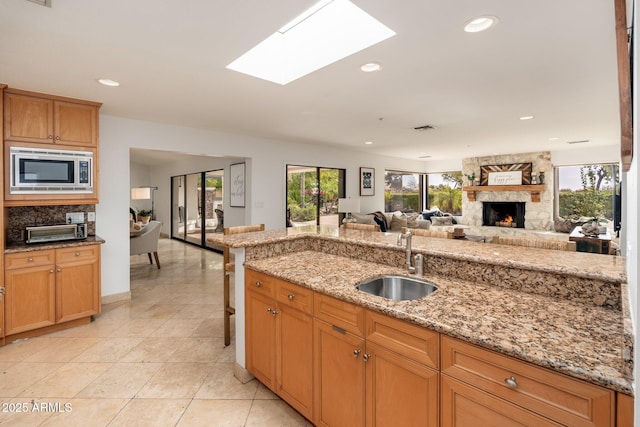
(396, 221)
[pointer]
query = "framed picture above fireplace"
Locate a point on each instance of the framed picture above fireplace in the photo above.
(499, 170)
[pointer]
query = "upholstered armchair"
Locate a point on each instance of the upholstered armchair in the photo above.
(147, 241)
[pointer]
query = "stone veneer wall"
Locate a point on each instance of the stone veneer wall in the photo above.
(538, 216)
(19, 217)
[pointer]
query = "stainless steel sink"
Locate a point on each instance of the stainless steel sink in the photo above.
(397, 287)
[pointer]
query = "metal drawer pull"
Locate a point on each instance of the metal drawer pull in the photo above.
(59, 270)
(77, 253)
(356, 353)
(30, 260)
(511, 382)
(366, 357)
(269, 310)
(258, 284)
(291, 296)
(51, 271)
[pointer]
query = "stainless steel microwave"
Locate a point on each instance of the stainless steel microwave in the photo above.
(41, 171)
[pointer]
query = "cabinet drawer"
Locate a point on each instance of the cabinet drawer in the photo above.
(259, 282)
(344, 315)
(556, 396)
(28, 259)
(412, 341)
(79, 253)
(294, 296)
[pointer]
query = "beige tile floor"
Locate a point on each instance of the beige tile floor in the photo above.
(157, 360)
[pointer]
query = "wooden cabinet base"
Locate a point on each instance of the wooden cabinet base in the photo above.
(47, 330)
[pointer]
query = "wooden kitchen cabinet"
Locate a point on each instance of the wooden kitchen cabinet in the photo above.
(279, 337)
(77, 282)
(48, 288)
(29, 291)
(33, 117)
(508, 381)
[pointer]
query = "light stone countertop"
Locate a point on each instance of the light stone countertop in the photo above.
(593, 266)
(579, 340)
(12, 248)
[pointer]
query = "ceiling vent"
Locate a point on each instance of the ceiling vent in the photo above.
(582, 141)
(426, 156)
(42, 2)
(423, 128)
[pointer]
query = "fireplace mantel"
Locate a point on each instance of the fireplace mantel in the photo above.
(535, 190)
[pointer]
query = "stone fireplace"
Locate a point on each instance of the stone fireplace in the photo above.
(503, 214)
(536, 201)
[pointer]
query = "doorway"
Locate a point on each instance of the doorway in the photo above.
(197, 207)
(312, 195)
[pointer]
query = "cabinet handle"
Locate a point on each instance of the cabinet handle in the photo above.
(77, 253)
(57, 138)
(51, 271)
(291, 296)
(50, 137)
(258, 284)
(511, 382)
(356, 353)
(59, 270)
(366, 357)
(30, 260)
(269, 310)
(274, 312)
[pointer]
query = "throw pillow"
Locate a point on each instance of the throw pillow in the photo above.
(381, 222)
(424, 224)
(363, 218)
(412, 220)
(442, 220)
(398, 223)
(562, 225)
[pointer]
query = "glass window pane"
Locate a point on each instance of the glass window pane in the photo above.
(444, 191)
(402, 191)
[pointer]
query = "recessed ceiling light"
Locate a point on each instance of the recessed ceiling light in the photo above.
(370, 67)
(526, 117)
(480, 23)
(108, 82)
(328, 32)
(554, 138)
(368, 143)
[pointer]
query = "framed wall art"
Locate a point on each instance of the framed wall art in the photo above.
(367, 181)
(237, 185)
(509, 174)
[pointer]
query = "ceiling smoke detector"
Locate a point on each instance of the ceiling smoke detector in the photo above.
(42, 2)
(582, 141)
(423, 128)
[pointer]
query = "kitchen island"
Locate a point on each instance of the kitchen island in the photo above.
(563, 311)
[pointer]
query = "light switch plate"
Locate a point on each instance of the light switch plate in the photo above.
(91, 216)
(75, 217)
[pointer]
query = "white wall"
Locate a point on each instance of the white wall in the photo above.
(140, 176)
(632, 220)
(266, 162)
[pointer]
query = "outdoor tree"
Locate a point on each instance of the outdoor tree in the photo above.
(593, 176)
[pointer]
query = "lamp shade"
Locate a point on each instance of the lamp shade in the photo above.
(348, 205)
(141, 193)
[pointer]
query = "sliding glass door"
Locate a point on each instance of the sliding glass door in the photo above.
(197, 207)
(312, 195)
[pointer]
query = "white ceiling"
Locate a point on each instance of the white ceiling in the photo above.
(551, 59)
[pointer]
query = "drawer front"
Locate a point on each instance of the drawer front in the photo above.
(259, 282)
(413, 341)
(29, 259)
(341, 314)
(79, 253)
(294, 296)
(553, 395)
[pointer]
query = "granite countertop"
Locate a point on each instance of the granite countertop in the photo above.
(581, 264)
(16, 247)
(579, 340)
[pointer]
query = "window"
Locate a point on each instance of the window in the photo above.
(403, 191)
(312, 195)
(444, 191)
(588, 191)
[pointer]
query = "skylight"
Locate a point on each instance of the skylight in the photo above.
(327, 32)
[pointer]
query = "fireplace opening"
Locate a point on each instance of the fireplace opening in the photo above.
(503, 214)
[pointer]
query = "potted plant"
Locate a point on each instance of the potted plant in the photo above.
(471, 177)
(144, 215)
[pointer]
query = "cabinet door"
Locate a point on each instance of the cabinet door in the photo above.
(400, 391)
(464, 405)
(77, 290)
(339, 377)
(29, 299)
(75, 124)
(294, 356)
(28, 118)
(1, 314)
(260, 333)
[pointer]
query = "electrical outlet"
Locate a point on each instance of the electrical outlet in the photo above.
(91, 216)
(75, 217)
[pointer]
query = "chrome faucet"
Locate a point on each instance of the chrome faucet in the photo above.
(418, 259)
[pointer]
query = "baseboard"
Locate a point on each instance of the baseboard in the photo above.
(242, 374)
(122, 296)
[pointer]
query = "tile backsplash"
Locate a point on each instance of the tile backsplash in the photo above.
(20, 217)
